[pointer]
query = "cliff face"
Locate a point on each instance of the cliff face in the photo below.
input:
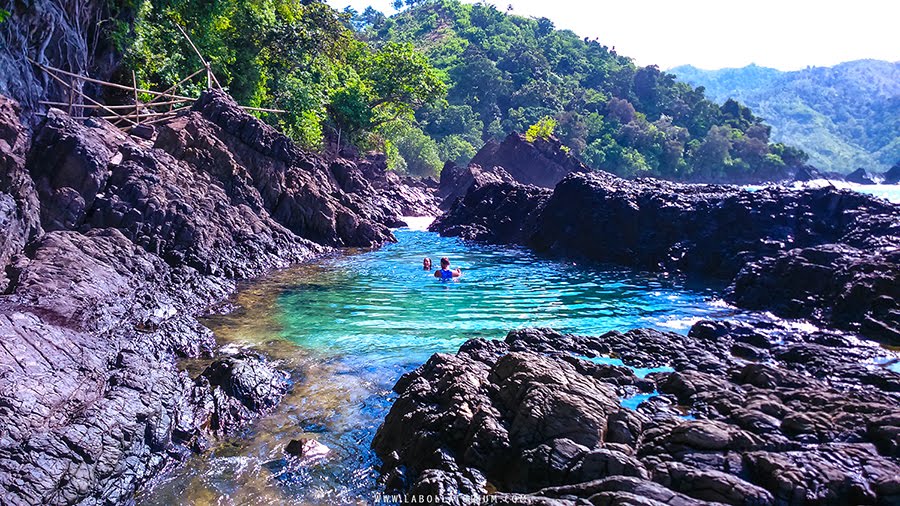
(60, 34)
(110, 248)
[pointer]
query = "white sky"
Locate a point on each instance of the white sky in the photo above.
(712, 34)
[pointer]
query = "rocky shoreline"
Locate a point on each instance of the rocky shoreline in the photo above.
(756, 411)
(756, 414)
(828, 255)
(113, 247)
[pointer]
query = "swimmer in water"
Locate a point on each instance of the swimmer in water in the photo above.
(445, 272)
(426, 264)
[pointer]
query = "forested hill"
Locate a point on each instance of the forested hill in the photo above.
(506, 72)
(844, 117)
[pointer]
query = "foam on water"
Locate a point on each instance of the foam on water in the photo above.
(890, 192)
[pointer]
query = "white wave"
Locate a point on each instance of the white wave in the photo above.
(419, 223)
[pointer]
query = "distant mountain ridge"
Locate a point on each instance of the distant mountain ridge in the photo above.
(844, 117)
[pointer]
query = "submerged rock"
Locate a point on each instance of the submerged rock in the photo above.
(309, 449)
(534, 415)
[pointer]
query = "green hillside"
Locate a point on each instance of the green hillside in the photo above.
(844, 117)
(506, 72)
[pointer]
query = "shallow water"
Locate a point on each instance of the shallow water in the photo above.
(349, 326)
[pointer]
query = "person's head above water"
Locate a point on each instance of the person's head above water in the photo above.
(426, 264)
(445, 272)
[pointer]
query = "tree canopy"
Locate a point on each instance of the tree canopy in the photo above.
(297, 55)
(506, 72)
(845, 117)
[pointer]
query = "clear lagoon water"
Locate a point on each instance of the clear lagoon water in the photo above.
(349, 326)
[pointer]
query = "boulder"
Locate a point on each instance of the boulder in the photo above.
(807, 173)
(859, 176)
(892, 175)
(457, 181)
(542, 163)
(541, 423)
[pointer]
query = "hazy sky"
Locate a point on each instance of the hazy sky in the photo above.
(711, 34)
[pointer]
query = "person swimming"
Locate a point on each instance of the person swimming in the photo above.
(426, 264)
(445, 273)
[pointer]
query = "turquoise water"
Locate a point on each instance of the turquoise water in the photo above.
(382, 306)
(349, 326)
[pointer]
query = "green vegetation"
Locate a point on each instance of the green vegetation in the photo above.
(543, 129)
(297, 55)
(435, 82)
(506, 73)
(4, 15)
(846, 116)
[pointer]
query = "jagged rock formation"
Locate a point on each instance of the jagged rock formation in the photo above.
(456, 181)
(773, 242)
(892, 175)
(110, 249)
(541, 163)
(777, 417)
(859, 176)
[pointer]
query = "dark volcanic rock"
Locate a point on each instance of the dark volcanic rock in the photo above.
(19, 206)
(263, 168)
(807, 173)
(514, 209)
(140, 241)
(69, 163)
(532, 415)
(240, 387)
(457, 181)
(714, 230)
(855, 288)
(859, 176)
(541, 163)
(892, 175)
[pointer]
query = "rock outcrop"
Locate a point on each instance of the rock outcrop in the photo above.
(540, 420)
(110, 249)
(543, 162)
(769, 241)
(859, 176)
(60, 34)
(892, 175)
(456, 181)
(19, 207)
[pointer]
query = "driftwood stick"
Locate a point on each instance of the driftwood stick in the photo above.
(261, 109)
(173, 88)
(128, 106)
(105, 83)
(210, 77)
(89, 99)
(144, 115)
(137, 103)
(152, 122)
